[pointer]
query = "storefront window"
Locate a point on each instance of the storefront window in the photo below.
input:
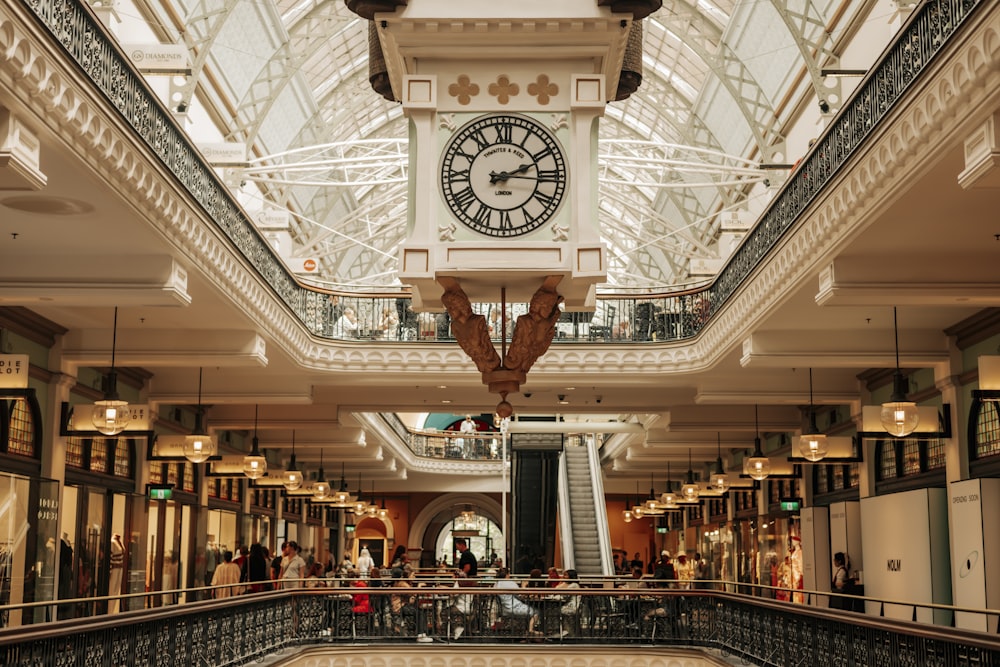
(34, 552)
(781, 558)
(21, 438)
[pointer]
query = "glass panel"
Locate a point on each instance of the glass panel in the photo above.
(74, 451)
(935, 454)
(156, 472)
(822, 479)
(854, 475)
(887, 461)
(28, 559)
(21, 440)
(123, 460)
(988, 431)
(99, 455)
(911, 457)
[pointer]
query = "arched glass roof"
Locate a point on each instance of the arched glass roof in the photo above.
(290, 78)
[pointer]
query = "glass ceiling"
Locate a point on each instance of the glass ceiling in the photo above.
(290, 79)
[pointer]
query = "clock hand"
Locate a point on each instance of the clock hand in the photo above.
(504, 175)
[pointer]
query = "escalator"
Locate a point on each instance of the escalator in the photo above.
(583, 520)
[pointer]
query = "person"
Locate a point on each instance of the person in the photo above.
(365, 563)
(840, 582)
(554, 577)
(345, 566)
(276, 562)
(511, 605)
(255, 569)
(347, 325)
(293, 566)
(571, 603)
(314, 578)
(226, 573)
(636, 561)
(685, 573)
(664, 571)
(467, 445)
(389, 324)
(700, 571)
(467, 561)
(631, 604)
(461, 606)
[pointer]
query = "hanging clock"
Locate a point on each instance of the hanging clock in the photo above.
(503, 175)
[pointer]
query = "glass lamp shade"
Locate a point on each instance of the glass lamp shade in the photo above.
(651, 504)
(360, 506)
(638, 511)
(111, 416)
(690, 490)
(758, 467)
(372, 510)
(899, 418)
(383, 513)
(719, 481)
(254, 466)
(627, 516)
(320, 489)
(813, 446)
(198, 448)
(668, 499)
(293, 479)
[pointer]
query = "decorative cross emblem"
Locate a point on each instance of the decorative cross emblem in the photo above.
(464, 89)
(503, 89)
(543, 89)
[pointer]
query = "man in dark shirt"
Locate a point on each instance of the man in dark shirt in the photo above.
(467, 562)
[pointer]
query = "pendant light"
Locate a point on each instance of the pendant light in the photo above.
(199, 446)
(254, 464)
(372, 508)
(111, 414)
(359, 504)
(342, 496)
(899, 416)
(719, 480)
(293, 476)
(757, 466)
(627, 513)
(690, 489)
(652, 504)
(321, 488)
(669, 499)
(812, 444)
(383, 511)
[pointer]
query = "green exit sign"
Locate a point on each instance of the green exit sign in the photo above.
(791, 505)
(161, 493)
(661, 529)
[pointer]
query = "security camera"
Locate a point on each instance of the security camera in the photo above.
(528, 395)
(598, 398)
(561, 397)
(824, 107)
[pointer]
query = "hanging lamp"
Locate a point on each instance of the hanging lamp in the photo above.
(899, 416)
(383, 511)
(111, 414)
(341, 496)
(321, 488)
(199, 446)
(254, 464)
(719, 480)
(372, 508)
(813, 445)
(652, 503)
(293, 476)
(359, 503)
(668, 500)
(690, 489)
(758, 466)
(627, 513)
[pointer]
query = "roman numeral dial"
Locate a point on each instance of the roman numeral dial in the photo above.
(503, 175)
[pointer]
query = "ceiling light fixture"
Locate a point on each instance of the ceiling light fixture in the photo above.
(690, 490)
(899, 416)
(719, 480)
(199, 446)
(342, 496)
(758, 466)
(254, 464)
(321, 488)
(813, 445)
(652, 504)
(360, 505)
(111, 414)
(669, 499)
(293, 476)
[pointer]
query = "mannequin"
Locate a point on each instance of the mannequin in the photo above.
(117, 566)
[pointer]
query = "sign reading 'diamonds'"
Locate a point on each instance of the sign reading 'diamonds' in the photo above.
(225, 153)
(159, 58)
(14, 371)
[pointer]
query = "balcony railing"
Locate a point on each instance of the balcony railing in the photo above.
(672, 317)
(246, 628)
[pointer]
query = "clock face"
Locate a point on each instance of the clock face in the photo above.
(503, 175)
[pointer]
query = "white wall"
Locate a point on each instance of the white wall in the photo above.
(975, 551)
